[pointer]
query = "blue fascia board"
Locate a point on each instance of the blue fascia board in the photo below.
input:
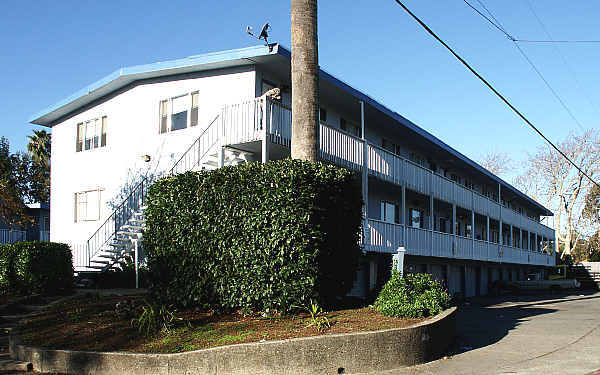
(420, 131)
(128, 74)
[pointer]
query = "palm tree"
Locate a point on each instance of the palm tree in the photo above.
(39, 147)
(305, 80)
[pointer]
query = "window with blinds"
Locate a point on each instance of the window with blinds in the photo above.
(194, 110)
(91, 134)
(87, 206)
(179, 112)
(164, 116)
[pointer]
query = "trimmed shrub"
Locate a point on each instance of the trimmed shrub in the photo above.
(412, 296)
(254, 236)
(35, 267)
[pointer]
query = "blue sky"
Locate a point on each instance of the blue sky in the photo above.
(53, 48)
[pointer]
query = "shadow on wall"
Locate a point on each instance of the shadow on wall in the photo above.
(486, 321)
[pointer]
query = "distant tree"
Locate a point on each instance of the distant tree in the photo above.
(553, 181)
(12, 206)
(591, 208)
(499, 163)
(39, 147)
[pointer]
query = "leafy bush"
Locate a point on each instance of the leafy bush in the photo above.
(35, 267)
(412, 296)
(122, 276)
(254, 236)
(155, 318)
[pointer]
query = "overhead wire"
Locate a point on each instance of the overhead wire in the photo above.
(499, 26)
(563, 58)
(496, 92)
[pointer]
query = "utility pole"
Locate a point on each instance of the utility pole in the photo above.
(305, 80)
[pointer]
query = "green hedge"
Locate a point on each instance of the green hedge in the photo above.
(254, 236)
(35, 267)
(412, 296)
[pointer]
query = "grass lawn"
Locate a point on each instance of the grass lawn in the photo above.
(90, 323)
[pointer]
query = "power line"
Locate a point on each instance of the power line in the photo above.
(555, 41)
(562, 57)
(513, 108)
(499, 26)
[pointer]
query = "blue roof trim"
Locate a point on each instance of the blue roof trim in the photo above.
(124, 73)
(422, 132)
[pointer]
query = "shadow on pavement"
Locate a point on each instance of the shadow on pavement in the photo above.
(484, 321)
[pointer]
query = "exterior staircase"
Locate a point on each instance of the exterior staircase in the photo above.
(587, 278)
(119, 237)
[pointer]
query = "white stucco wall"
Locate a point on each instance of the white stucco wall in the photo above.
(132, 131)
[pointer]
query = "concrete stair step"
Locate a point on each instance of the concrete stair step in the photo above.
(9, 365)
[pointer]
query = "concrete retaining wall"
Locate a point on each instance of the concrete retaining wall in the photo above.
(329, 354)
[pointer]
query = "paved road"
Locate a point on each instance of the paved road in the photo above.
(557, 334)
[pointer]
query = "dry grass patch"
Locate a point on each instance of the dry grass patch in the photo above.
(91, 323)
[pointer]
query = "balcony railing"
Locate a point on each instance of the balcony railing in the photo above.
(247, 122)
(347, 150)
(386, 237)
(12, 236)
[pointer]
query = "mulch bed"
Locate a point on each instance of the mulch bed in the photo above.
(90, 323)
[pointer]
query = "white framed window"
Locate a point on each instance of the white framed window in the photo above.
(179, 112)
(87, 206)
(91, 134)
(390, 212)
(417, 219)
(322, 115)
(349, 128)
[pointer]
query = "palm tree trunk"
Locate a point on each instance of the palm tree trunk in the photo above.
(305, 80)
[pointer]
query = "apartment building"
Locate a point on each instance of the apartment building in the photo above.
(455, 219)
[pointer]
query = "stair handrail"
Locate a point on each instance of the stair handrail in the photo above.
(141, 189)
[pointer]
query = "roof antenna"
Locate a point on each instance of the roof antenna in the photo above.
(264, 34)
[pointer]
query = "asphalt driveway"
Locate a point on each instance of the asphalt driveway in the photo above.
(552, 334)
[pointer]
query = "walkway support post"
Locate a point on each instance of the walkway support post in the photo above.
(365, 177)
(137, 264)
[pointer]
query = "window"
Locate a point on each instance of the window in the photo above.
(323, 115)
(468, 231)
(91, 134)
(164, 113)
(495, 236)
(416, 218)
(349, 128)
(179, 112)
(443, 225)
(390, 212)
(87, 206)
(194, 111)
(390, 146)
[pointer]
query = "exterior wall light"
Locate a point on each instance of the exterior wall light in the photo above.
(146, 158)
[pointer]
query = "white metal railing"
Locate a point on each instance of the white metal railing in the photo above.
(344, 149)
(242, 122)
(442, 188)
(12, 236)
(416, 177)
(442, 245)
(418, 241)
(481, 250)
(385, 164)
(464, 247)
(280, 123)
(340, 148)
(384, 237)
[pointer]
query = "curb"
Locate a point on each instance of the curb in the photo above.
(329, 354)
